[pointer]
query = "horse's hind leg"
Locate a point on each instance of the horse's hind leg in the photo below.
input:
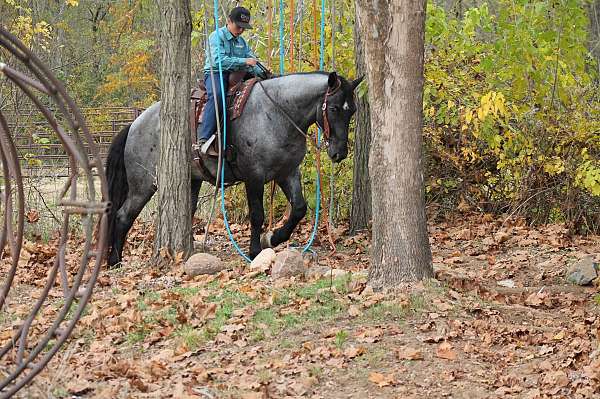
(292, 188)
(124, 220)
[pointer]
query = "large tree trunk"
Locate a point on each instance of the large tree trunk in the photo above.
(174, 223)
(360, 214)
(393, 33)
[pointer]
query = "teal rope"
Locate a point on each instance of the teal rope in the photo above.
(281, 49)
(318, 185)
(223, 98)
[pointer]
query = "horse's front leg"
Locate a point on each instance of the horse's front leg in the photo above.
(292, 188)
(254, 193)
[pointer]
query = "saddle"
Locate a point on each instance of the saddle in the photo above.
(237, 95)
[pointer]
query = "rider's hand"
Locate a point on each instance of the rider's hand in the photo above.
(250, 61)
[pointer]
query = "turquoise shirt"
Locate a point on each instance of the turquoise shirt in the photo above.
(232, 51)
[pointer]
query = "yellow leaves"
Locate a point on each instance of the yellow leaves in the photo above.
(492, 103)
(430, 112)
(588, 176)
(72, 3)
(133, 73)
(554, 166)
(468, 117)
(25, 29)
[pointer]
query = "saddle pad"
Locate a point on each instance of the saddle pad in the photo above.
(239, 98)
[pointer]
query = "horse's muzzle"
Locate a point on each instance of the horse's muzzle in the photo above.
(338, 156)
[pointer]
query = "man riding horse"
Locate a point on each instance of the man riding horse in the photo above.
(226, 46)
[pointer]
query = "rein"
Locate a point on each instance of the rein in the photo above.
(326, 128)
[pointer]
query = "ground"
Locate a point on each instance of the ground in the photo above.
(476, 331)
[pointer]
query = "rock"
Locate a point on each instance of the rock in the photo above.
(203, 263)
(288, 263)
(506, 283)
(339, 273)
(316, 272)
(583, 272)
(197, 245)
(263, 260)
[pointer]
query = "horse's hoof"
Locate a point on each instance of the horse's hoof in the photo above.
(265, 240)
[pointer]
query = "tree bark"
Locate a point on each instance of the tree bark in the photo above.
(360, 214)
(594, 38)
(393, 33)
(174, 222)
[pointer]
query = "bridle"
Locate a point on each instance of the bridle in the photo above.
(326, 127)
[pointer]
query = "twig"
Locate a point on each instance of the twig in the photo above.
(522, 204)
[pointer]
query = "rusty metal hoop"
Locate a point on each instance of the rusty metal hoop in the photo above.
(26, 353)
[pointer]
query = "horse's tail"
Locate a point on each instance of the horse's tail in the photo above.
(116, 176)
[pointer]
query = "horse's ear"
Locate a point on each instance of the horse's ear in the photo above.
(333, 79)
(356, 82)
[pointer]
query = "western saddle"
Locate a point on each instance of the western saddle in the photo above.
(237, 95)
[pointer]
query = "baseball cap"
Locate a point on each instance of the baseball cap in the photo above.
(241, 17)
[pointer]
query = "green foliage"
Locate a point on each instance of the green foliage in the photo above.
(511, 109)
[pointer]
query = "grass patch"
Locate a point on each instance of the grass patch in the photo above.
(315, 371)
(6, 317)
(189, 336)
(227, 296)
(222, 314)
(186, 292)
(325, 311)
(146, 298)
(74, 304)
(340, 339)
(60, 393)
(371, 359)
(136, 336)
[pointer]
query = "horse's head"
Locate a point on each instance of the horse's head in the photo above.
(339, 106)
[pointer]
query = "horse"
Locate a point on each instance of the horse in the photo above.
(268, 141)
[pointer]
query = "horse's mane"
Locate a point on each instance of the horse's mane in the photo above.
(345, 84)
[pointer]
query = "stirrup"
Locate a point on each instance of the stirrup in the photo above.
(206, 146)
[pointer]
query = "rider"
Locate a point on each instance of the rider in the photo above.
(227, 45)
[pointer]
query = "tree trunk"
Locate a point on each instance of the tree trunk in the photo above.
(594, 38)
(360, 214)
(393, 33)
(174, 223)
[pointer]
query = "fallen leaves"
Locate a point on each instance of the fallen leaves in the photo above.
(445, 351)
(382, 380)
(148, 333)
(408, 353)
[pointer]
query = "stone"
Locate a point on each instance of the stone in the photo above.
(263, 260)
(506, 283)
(203, 263)
(288, 263)
(583, 272)
(317, 272)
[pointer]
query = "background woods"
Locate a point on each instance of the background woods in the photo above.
(511, 103)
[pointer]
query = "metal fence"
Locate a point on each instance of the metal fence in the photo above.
(40, 152)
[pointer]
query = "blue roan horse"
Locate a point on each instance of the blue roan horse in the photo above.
(269, 142)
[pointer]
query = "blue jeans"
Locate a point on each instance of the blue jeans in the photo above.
(209, 118)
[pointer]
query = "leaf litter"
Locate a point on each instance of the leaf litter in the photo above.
(498, 322)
